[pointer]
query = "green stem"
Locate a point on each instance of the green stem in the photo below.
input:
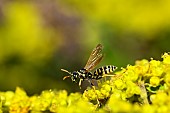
(143, 92)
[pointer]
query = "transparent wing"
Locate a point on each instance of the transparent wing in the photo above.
(95, 57)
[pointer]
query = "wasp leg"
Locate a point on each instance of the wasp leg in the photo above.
(80, 83)
(97, 99)
(91, 82)
(105, 79)
(99, 82)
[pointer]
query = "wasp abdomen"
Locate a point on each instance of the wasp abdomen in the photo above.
(98, 73)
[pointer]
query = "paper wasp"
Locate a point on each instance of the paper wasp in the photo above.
(85, 73)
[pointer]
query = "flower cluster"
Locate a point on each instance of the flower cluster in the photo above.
(144, 87)
(53, 101)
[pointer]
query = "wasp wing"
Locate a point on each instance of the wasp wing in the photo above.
(95, 57)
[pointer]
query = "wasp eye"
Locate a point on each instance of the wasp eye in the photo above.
(75, 74)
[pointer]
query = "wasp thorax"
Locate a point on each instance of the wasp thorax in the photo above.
(74, 76)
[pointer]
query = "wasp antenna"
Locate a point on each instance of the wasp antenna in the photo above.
(65, 77)
(66, 71)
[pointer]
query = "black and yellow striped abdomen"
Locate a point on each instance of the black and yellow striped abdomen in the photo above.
(98, 73)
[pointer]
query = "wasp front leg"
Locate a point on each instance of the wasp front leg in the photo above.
(80, 83)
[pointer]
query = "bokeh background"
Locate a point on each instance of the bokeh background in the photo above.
(39, 37)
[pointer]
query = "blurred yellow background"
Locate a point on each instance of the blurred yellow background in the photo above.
(39, 37)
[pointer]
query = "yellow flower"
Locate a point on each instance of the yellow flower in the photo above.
(167, 79)
(166, 58)
(119, 84)
(160, 98)
(142, 66)
(154, 81)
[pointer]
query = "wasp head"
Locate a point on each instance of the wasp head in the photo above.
(74, 76)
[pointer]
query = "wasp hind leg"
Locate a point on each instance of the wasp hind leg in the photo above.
(97, 98)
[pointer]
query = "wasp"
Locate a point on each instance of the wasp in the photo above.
(85, 74)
